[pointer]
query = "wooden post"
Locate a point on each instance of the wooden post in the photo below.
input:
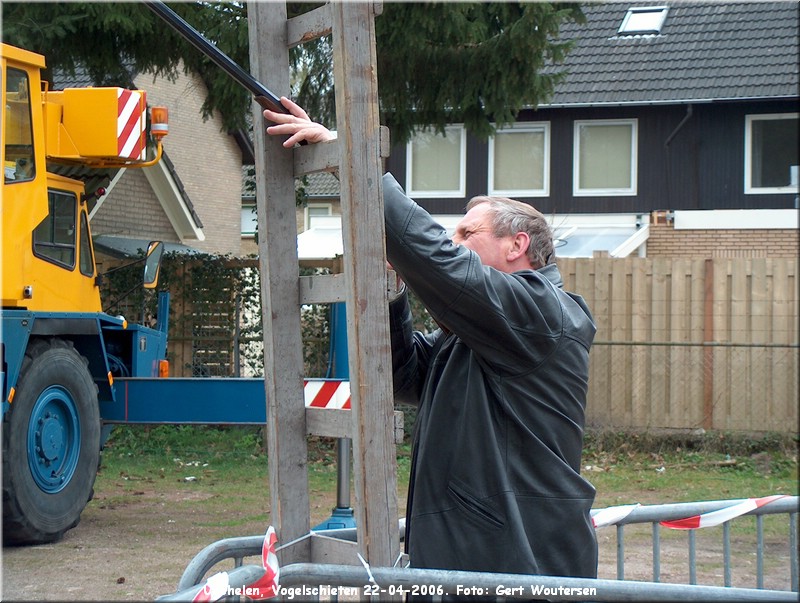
(362, 146)
(358, 128)
(278, 263)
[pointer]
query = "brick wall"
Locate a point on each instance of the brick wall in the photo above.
(666, 241)
(132, 210)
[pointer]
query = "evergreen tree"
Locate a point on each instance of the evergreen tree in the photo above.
(472, 63)
(438, 63)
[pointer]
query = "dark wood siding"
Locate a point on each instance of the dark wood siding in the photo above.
(688, 159)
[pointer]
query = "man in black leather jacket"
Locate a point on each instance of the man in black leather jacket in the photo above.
(501, 386)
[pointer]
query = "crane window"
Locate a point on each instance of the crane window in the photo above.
(18, 165)
(86, 260)
(54, 237)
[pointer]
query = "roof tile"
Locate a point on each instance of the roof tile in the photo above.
(705, 50)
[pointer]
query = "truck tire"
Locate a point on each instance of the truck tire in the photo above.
(51, 444)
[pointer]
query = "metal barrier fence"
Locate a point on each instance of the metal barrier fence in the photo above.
(656, 514)
(309, 580)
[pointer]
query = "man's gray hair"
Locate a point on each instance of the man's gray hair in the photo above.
(510, 216)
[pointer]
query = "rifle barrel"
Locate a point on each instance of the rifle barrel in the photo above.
(263, 96)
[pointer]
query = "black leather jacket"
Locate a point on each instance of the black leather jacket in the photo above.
(501, 391)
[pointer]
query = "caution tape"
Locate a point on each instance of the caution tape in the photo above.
(715, 518)
(612, 515)
(266, 587)
(214, 589)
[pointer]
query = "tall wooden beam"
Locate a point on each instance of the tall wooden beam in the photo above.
(358, 127)
(358, 152)
(278, 263)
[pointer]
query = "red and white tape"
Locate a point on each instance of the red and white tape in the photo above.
(214, 589)
(715, 518)
(266, 587)
(327, 394)
(611, 515)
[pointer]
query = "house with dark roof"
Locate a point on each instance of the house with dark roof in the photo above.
(674, 132)
(317, 216)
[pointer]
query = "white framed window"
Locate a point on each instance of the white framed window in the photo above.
(314, 211)
(643, 20)
(436, 164)
(770, 153)
(519, 161)
(605, 157)
(249, 220)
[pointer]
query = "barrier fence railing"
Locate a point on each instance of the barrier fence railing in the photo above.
(698, 515)
(310, 581)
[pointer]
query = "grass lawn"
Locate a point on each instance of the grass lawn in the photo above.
(230, 466)
(164, 493)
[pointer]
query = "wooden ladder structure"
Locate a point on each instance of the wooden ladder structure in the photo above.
(357, 154)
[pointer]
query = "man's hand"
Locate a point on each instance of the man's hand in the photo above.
(297, 125)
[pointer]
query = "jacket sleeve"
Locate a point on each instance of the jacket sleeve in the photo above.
(498, 315)
(411, 352)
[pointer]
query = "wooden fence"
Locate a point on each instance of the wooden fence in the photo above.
(691, 343)
(681, 343)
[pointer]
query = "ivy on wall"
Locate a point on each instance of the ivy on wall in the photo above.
(215, 323)
(215, 326)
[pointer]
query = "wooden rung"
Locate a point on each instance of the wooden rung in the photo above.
(311, 158)
(332, 288)
(386, 142)
(323, 289)
(338, 423)
(315, 547)
(324, 157)
(329, 422)
(335, 551)
(309, 26)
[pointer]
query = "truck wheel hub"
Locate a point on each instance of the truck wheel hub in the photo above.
(51, 439)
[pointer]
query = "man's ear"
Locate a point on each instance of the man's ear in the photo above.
(519, 246)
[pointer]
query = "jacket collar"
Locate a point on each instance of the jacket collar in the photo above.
(552, 274)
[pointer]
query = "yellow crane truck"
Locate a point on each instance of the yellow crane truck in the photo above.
(60, 351)
(66, 367)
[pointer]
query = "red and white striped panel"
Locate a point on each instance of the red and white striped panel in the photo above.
(327, 394)
(131, 124)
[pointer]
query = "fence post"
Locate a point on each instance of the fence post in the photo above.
(708, 351)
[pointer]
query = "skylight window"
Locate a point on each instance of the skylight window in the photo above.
(643, 20)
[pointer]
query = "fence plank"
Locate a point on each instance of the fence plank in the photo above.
(696, 355)
(641, 356)
(599, 366)
(739, 321)
(681, 372)
(759, 390)
(783, 328)
(619, 368)
(659, 332)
